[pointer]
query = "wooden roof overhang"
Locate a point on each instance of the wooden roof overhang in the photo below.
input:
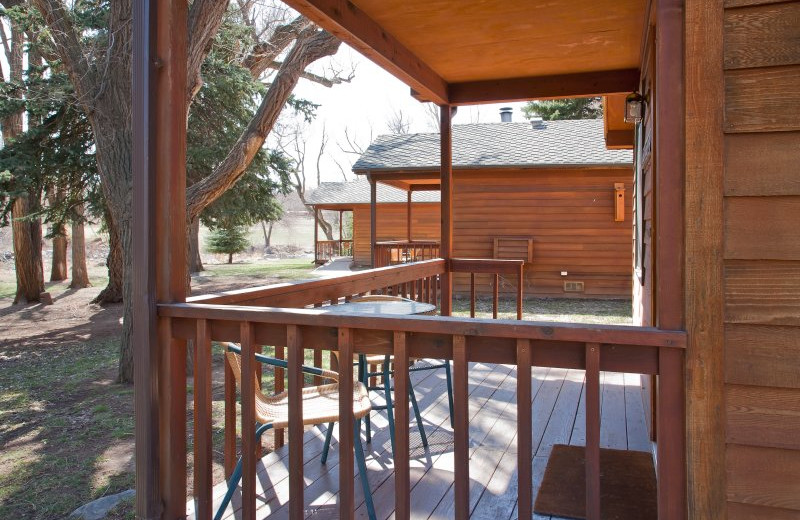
(458, 53)
(426, 179)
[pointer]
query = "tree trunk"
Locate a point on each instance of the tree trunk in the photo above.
(58, 271)
(27, 233)
(267, 234)
(80, 274)
(230, 258)
(114, 291)
(195, 261)
(27, 262)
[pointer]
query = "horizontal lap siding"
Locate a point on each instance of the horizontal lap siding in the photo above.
(762, 259)
(568, 213)
(392, 225)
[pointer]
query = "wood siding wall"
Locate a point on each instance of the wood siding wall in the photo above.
(762, 258)
(568, 213)
(392, 226)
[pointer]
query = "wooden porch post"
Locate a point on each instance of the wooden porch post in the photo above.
(408, 215)
(669, 254)
(316, 234)
(159, 244)
(446, 248)
(341, 213)
(373, 218)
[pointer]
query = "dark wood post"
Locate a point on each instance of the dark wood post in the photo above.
(316, 235)
(373, 219)
(670, 165)
(408, 215)
(446, 182)
(341, 251)
(159, 244)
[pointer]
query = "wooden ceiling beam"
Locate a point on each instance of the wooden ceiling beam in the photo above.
(351, 25)
(582, 84)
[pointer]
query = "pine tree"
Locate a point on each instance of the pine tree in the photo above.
(228, 240)
(567, 108)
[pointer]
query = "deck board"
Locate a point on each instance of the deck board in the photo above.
(558, 408)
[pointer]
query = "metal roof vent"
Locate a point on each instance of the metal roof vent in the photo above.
(505, 114)
(537, 122)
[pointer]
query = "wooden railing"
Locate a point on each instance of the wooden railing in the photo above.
(395, 252)
(328, 249)
(593, 348)
(495, 268)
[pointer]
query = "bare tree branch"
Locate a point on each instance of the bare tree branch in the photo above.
(264, 53)
(353, 147)
(398, 122)
(310, 46)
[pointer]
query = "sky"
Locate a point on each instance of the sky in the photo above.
(363, 107)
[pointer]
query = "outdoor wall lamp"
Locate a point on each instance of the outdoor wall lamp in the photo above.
(634, 108)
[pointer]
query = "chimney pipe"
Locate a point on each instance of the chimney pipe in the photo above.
(505, 114)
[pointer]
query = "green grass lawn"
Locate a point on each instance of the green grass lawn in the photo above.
(289, 269)
(61, 416)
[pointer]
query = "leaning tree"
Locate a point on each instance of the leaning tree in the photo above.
(99, 68)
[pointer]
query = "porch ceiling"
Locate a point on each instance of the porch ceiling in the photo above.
(493, 50)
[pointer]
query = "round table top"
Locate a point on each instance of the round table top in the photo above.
(377, 307)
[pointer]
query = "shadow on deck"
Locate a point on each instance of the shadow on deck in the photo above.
(558, 418)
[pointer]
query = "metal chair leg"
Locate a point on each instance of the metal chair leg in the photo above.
(449, 390)
(327, 446)
(420, 426)
(363, 376)
(362, 470)
(387, 388)
(236, 476)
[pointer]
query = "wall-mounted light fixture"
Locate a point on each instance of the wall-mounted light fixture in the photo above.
(634, 108)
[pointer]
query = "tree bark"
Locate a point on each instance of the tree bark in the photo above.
(230, 258)
(80, 274)
(58, 270)
(195, 260)
(27, 262)
(114, 290)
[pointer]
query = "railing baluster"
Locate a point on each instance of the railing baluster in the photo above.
(471, 295)
(318, 363)
(495, 295)
(346, 427)
(202, 421)
(524, 426)
(279, 387)
(461, 427)
(520, 286)
(248, 421)
(402, 490)
(296, 485)
(230, 420)
(592, 454)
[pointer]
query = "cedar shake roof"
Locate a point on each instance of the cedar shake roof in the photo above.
(357, 192)
(555, 143)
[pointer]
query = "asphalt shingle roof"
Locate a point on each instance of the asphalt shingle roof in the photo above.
(556, 143)
(357, 192)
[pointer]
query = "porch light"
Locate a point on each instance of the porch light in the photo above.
(634, 108)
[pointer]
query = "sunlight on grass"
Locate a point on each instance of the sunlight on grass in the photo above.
(291, 269)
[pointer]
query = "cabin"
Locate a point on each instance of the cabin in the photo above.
(713, 88)
(550, 193)
(398, 224)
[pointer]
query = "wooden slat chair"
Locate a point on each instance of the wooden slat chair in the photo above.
(385, 372)
(320, 405)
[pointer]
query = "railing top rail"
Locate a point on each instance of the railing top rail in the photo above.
(605, 334)
(485, 265)
(407, 242)
(373, 278)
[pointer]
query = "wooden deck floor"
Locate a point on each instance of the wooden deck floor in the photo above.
(558, 415)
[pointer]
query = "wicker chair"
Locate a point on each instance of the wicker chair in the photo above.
(320, 405)
(386, 371)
